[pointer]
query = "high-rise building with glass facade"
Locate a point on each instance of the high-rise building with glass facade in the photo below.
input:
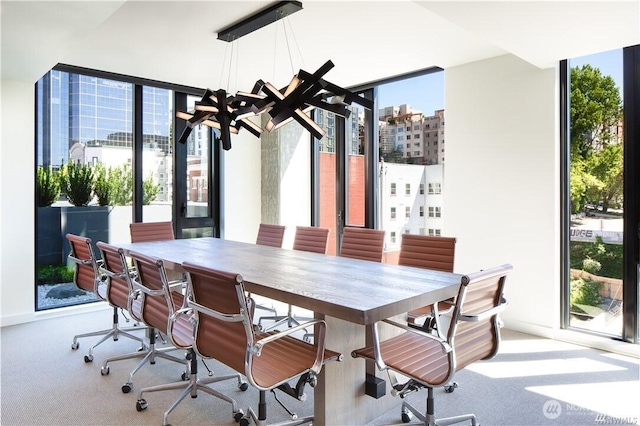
(96, 112)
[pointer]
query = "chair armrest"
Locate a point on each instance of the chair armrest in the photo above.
(197, 307)
(182, 312)
(485, 314)
(256, 349)
(446, 348)
(142, 289)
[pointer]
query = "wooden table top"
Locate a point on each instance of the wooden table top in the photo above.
(353, 290)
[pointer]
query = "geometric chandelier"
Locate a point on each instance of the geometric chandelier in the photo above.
(305, 91)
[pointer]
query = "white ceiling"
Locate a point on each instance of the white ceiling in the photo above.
(175, 41)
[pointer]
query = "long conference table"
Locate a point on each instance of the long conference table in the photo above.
(348, 294)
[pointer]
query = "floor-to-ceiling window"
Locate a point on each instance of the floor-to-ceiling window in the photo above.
(383, 168)
(104, 159)
(411, 158)
(601, 242)
(342, 164)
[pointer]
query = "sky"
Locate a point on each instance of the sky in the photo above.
(610, 63)
(426, 93)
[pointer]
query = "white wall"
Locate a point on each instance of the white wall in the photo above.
(17, 202)
(501, 176)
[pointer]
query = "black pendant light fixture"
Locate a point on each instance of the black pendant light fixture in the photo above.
(305, 92)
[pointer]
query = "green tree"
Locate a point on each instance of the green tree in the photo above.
(606, 166)
(596, 107)
(122, 181)
(394, 156)
(150, 190)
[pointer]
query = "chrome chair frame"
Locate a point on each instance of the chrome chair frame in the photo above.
(150, 352)
(100, 289)
(431, 350)
(179, 322)
(258, 351)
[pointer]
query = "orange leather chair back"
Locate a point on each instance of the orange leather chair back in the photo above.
(151, 231)
(423, 251)
(362, 243)
(311, 238)
(270, 235)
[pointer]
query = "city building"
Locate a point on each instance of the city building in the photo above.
(415, 137)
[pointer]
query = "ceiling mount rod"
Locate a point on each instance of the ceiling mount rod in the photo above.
(261, 19)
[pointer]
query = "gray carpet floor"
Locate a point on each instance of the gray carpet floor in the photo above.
(532, 381)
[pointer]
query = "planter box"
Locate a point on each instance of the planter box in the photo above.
(49, 237)
(89, 221)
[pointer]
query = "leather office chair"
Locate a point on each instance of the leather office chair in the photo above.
(269, 361)
(307, 238)
(87, 277)
(272, 236)
(436, 253)
(430, 361)
(142, 232)
(151, 231)
(167, 311)
(120, 278)
(362, 243)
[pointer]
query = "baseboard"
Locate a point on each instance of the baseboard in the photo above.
(590, 340)
(53, 313)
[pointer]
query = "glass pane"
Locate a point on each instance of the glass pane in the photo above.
(84, 124)
(157, 154)
(596, 192)
(411, 143)
(327, 163)
(356, 167)
(197, 232)
(197, 178)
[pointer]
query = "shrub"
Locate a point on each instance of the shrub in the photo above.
(77, 183)
(590, 265)
(608, 255)
(47, 187)
(54, 274)
(103, 185)
(585, 292)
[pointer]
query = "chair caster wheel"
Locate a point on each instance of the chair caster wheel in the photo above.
(244, 421)
(75, 346)
(450, 388)
(406, 418)
(141, 404)
(104, 371)
(237, 416)
(126, 388)
(88, 358)
(243, 387)
(184, 376)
